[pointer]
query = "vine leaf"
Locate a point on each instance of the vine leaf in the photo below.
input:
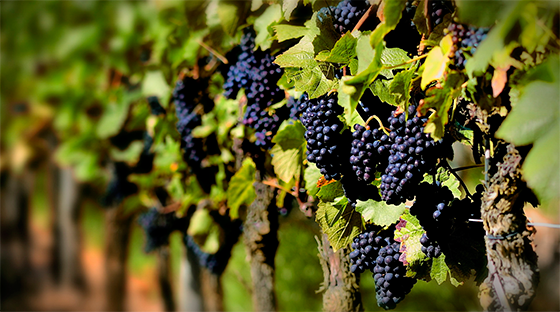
(401, 85)
(154, 84)
(115, 114)
(343, 52)
(340, 227)
(378, 212)
(329, 192)
(263, 25)
(288, 152)
(409, 237)
(436, 62)
(240, 189)
(286, 32)
(441, 98)
(538, 123)
(311, 175)
(440, 270)
(380, 88)
(288, 6)
(447, 179)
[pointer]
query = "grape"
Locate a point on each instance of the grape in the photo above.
(255, 72)
(465, 42)
(346, 14)
(438, 9)
(389, 273)
(405, 35)
(365, 247)
(368, 153)
(430, 247)
(158, 226)
(412, 153)
(323, 134)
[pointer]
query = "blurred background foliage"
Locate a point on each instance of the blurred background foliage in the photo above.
(75, 75)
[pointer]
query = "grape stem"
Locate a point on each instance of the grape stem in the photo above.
(447, 166)
(218, 55)
(380, 123)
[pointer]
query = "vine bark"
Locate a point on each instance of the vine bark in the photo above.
(513, 272)
(341, 287)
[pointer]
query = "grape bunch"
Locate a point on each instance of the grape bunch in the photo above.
(389, 273)
(346, 14)
(185, 98)
(430, 247)
(438, 9)
(369, 152)
(377, 251)
(365, 248)
(323, 134)
(216, 263)
(465, 42)
(158, 226)
(405, 35)
(255, 72)
(412, 153)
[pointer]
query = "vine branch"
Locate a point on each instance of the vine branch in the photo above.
(447, 166)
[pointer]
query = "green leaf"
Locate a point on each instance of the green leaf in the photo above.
(270, 17)
(311, 175)
(351, 115)
(535, 119)
(240, 189)
(380, 88)
(154, 84)
(542, 176)
(130, 155)
(343, 51)
(393, 57)
(364, 52)
(401, 85)
(446, 178)
(392, 11)
(378, 212)
(288, 152)
(285, 32)
(441, 99)
(288, 7)
(114, 116)
(409, 236)
(342, 231)
(440, 270)
(328, 193)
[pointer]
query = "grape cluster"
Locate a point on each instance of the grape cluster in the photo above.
(429, 247)
(412, 153)
(255, 72)
(405, 35)
(465, 41)
(323, 134)
(185, 96)
(438, 9)
(369, 152)
(158, 226)
(365, 249)
(216, 263)
(346, 14)
(377, 251)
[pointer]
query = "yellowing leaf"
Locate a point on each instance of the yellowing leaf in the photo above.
(434, 66)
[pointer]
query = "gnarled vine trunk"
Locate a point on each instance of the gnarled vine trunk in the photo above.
(341, 287)
(513, 273)
(261, 240)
